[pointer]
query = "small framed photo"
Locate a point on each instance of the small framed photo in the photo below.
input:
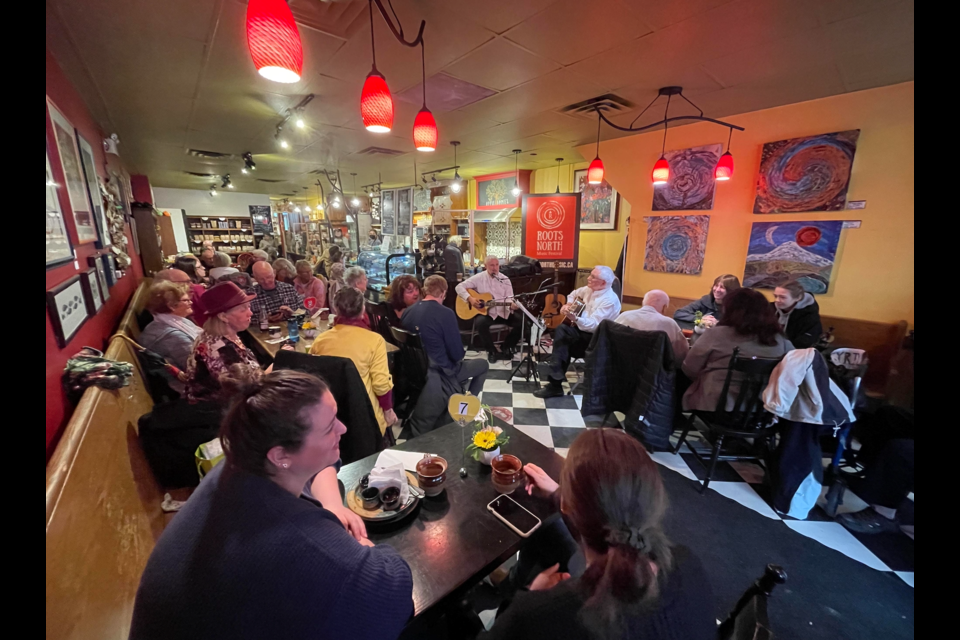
(68, 309)
(91, 291)
(598, 209)
(96, 262)
(109, 264)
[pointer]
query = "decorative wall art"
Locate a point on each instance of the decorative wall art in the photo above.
(782, 251)
(93, 189)
(691, 185)
(806, 174)
(676, 244)
(58, 246)
(421, 199)
(96, 262)
(598, 210)
(91, 291)
(63, 131)
(262, 218)
(68, 309)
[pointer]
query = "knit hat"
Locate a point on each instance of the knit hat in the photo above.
(223, 297)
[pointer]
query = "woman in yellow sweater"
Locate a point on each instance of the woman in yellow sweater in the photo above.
(350, 338)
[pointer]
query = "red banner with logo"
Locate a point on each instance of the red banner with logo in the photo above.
(551, 229)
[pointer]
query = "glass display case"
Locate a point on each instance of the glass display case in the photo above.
(382, 268)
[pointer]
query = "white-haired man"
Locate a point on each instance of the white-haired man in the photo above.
(495, 283)
(600, 303)
(650, 317)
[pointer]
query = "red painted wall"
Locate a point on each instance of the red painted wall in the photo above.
(98, 328)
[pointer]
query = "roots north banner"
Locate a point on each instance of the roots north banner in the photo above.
(551, 229)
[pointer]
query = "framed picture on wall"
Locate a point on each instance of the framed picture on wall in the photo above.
(109, 264)
(76, 187)
(59, 249)
(96, 262)
(93, 189)
(91, 291)
(68, 309)
(598, 210)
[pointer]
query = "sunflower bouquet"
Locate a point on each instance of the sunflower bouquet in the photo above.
(487, 437)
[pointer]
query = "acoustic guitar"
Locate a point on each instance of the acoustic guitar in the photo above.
(466, 311)
(552, 317)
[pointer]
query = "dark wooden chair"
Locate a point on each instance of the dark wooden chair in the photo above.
(747, 421)
(410, 374)
(378, 320)
(748, 620)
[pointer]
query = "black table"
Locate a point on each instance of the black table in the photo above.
(452, 541)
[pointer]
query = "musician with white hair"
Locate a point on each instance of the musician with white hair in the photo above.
(650, 317)
(586, 308)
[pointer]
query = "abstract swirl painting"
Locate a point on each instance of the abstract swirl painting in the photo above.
(782, 251)
(806, 174)
(676, 244)
(691, 184)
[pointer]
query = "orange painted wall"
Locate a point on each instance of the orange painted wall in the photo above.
(874, 272)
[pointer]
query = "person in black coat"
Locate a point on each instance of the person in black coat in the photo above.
(798, 313)
(453, 269)
(710, 305)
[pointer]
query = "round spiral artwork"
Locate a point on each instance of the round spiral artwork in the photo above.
(550, 214)
(676, 244)
(806, 174)
(691, 185)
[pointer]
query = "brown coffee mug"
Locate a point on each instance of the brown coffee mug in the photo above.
(507, 473)
(432, 473)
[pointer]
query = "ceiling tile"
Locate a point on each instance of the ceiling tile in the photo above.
(660, 14)
(500, 65)
(500, 15)
(569, 30)
(184, 18)
(232, 113)
(877, 68)
(831, 11)
(873, 31)
(544, 122)
(533, 143)
(771, 58)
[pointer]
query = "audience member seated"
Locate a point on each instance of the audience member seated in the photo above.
(196, 271)
(285, 271)
(278, 299)
(170, 334)
(224, 266)
(331, 256)
(257, 255)
(492, 281)
(650, 317)
(196, 291)
(207, 256)
(709, 305)
(349, 338)
(571, 341)
(356, 277)
(799, 314)
(440, 335)
(310, 286)
(335, 284)
(219, 347)
(404, 292)
(269, 244)
(749, 323)
(250, 556)
(635, 583)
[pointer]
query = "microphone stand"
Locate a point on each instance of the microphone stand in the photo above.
(525, 342)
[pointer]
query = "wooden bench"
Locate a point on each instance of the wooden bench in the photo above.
(128, 324)
(103, 512)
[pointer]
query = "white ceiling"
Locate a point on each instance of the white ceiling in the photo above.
(175, 74)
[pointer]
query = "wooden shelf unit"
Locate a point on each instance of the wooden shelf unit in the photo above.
(231, 235)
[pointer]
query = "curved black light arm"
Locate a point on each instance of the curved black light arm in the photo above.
(398, 34)
(665, 121)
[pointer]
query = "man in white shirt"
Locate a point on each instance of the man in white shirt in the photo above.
(569, 342)
(493, 282)
(650, 318)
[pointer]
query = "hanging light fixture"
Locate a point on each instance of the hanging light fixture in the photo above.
(559, 160)
(516, 174)
(595, 170)
(661, 170)
(376, 103)
(355, 201)
(455, 186)
(274, 40)
(724, 168)
(425, 133)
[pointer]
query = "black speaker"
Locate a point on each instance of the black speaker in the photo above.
(521, 266)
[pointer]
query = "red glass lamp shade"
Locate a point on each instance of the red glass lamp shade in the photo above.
(724, 170)
(376, 104)
(595, 171)
(661, 171)
(274, 40)
(425, 131)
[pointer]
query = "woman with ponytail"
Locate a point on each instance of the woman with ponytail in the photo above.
(636, 585)
(250, 555)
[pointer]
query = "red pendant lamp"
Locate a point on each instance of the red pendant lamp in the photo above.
(595, 170)
(661, 171)
(376, 103)
(425, 132)
(274, 40)
(724, 168)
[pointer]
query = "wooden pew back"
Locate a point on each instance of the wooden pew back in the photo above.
(128, 324)
(103, 512)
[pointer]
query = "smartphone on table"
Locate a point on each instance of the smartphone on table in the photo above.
(512, 514)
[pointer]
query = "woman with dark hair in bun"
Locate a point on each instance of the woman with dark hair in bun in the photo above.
(250, 555)
(635, 585)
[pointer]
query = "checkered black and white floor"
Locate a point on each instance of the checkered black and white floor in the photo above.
(556, 422)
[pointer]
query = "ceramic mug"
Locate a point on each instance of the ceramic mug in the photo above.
(507, 473)
(370, 498)
(432, 473)
(390, 498)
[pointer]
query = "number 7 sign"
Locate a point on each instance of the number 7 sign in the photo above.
(463, 407)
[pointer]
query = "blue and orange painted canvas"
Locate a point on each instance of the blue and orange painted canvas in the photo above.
(676, 244)
(782, 251)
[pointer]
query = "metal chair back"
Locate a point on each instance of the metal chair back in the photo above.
(752, 374)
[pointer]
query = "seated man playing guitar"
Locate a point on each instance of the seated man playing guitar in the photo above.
(498, 311)
(599, 302)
